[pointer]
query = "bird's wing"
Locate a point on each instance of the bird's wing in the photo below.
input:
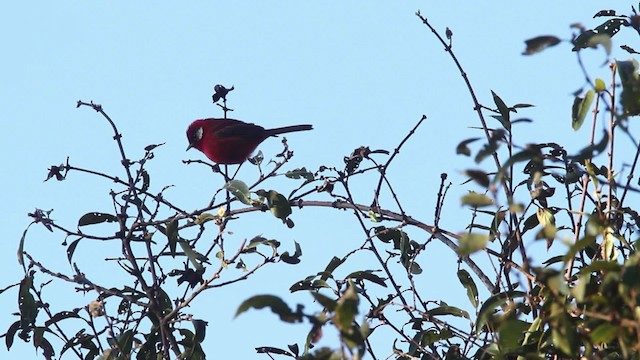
(237, 128)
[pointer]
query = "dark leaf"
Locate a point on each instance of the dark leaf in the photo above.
(539, 43)
(503, 109)
(274, 303)
(463, 149)
(57, 171)
(145, 181)
(292, 259)
(71, 249)
(61, 316)
(605, 13)
(530, 223)
(21, 246)
(96, 218)
(492, 146)
(591, 150)
(272, 350)
(630, 97)
(27, 304)
(11, 332)
(152, 146)
(125, 341)
(629, 49)
(331, 266)
(172, 236)
(220, 92)
(518, 106)
(478, 176)
(200, 327)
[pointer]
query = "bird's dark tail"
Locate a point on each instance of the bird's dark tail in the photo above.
(288, 129)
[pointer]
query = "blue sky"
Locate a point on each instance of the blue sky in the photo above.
(362, 75)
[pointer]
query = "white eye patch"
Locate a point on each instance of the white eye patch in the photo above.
(198, 134)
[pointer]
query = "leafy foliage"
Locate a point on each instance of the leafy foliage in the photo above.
(581, 302)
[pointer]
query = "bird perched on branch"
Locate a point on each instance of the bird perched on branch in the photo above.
(230, 141)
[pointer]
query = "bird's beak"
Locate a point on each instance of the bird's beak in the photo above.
(189, 147)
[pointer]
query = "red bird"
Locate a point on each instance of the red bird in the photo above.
(230, 141)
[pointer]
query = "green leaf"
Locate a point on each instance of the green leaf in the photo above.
(347, 309)
(204, 217)
(600, 85)
(472, 242)
(447, 310)
(579, 290)
(239, 190)
(259, 240)
(194, 257)
(604, 333)
(545, 217)
(475, 200)
(504, 111)
(301, 173)
(599, 265)
(326, 302)
(278, 204)
(367, 275)
(580, 109)
(96, 218)
(430, 336)
(488, 308)
(470, 285)
(510, 333)
(274, 303)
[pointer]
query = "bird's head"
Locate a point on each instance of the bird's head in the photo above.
(194, 134)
